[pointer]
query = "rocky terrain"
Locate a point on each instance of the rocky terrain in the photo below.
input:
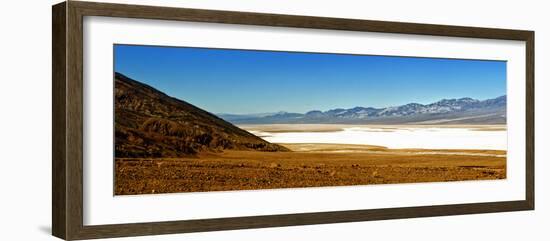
(149, 123)
(315, 166)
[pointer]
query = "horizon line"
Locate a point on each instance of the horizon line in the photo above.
(289, 112)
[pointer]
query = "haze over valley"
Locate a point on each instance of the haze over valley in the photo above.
(447, 111)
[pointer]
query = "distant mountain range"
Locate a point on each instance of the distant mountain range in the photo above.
(149, 123)
(446, 111)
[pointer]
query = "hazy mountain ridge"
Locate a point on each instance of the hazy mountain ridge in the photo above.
(149, 123)
(446, 111)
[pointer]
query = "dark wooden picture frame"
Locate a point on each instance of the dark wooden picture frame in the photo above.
(67, 159)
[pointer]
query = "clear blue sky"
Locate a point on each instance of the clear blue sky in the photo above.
(244, 81)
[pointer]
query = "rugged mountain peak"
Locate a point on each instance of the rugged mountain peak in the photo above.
(467, 99)
(464, 110)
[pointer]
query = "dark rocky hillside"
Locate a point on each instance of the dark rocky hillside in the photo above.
(149, 123)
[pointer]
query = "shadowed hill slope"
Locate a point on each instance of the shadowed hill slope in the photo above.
(149, 123)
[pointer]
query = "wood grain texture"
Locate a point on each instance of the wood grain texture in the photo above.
(59, 193)
(530, 120)
(279, 20)
(67, 78)
(74, 110)
(122, 230)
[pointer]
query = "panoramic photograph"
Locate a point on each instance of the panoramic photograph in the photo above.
(191, 119)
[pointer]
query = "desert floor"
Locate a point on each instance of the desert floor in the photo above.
(308, 165)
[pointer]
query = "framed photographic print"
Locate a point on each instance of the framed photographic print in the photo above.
(171, 120)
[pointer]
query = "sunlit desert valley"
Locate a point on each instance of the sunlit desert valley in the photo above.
(166, 145)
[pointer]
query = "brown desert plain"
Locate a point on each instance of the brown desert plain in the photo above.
(307, 165)
(165, 145)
